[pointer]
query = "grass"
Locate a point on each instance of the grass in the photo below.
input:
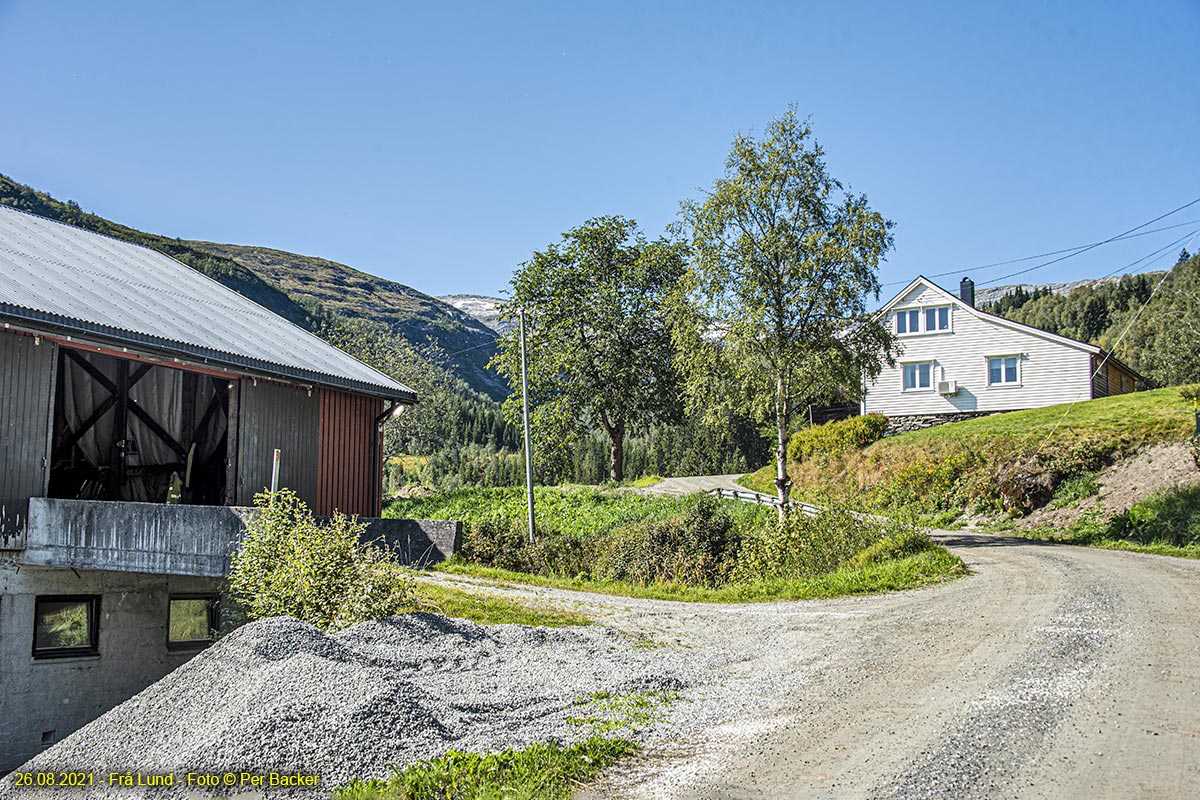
(576, 511)
(911, 572)
(646, 481)
(1166, 524)
(691, 549)
(542, 771)
(952, 467)
(606, 712)
(488, 610)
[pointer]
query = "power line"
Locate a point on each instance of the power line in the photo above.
(1108, 354)
(1090, 247)
(1050, 253)
(1155, 254)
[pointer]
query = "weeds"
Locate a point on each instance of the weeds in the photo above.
(542, 771)
(994, 462)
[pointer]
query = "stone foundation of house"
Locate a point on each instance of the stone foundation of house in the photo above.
(916, 422)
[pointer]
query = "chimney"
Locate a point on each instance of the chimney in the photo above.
(966, 292)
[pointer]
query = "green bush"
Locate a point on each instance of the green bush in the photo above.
(834, 438)
(697, 548)
(904, 540)
(806, 546)
(935, 483)
(289, 563)
(1171, 516)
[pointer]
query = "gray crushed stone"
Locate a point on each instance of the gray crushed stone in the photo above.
(1000, 732)
(280, 695)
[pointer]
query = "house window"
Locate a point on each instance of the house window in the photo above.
(918, 376)
(1003, 370)
(908, 321)
(66, 625)
(192, 620)
(937, 319)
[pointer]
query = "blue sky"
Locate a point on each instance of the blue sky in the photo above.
(439, 144)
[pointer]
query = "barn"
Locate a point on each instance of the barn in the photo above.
(142, 406)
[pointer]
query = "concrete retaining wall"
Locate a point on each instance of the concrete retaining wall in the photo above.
(416, 542)
(158, 539)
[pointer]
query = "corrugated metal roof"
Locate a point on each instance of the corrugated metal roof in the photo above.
(54, 275)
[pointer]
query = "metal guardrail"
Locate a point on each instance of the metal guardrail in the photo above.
(758, 498)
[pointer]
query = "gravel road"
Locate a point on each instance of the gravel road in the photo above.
(1051, 672)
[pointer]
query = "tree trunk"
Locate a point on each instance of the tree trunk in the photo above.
(783, 482)
(616, 452)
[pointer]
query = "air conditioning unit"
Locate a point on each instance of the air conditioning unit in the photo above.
(947, 387)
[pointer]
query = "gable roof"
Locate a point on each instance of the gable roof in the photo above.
(954, 299)
(65, 280)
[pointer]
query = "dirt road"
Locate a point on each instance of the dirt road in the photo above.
(1051, 672)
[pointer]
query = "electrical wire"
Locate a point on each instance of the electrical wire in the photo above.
(1108, 354)
(994, 264)
(1089, 247)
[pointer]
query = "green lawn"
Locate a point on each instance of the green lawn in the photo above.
(911, 572)
(938, 472)
(489, 610)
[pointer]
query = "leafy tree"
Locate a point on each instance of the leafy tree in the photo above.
(598, 343)
(1174, 354)
(772, 314)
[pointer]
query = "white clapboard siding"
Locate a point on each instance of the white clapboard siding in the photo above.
(1052, 369)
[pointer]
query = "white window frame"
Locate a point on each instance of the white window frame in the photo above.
(918, 389)
(949, 318)
(922, 311)
(910, 331)
(1003, 384)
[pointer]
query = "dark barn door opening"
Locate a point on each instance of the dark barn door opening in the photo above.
(127, 430)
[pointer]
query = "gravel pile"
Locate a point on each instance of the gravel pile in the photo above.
(281, 696)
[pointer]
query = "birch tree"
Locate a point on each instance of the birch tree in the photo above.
(773, 311)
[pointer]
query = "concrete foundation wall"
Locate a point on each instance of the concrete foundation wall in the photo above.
(49, 698)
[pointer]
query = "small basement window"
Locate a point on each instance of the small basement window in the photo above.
(918, 376)
(66, 625)
(1004, 370)
(192, 620)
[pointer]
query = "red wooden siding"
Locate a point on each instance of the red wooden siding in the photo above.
(348, 468)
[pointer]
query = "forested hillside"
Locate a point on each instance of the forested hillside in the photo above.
(1162, 341)
(450, 415)
(457, 434)
(416, 316)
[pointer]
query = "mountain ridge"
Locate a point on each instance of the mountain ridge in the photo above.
(288, 284)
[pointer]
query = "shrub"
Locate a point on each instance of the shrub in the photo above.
(696, 547)
(806, 546)
(504, 544)
(935, 483)
(834, 438)
(1171, 516)
(289, 563)
(905, 540)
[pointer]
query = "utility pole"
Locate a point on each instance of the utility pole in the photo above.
(525, 414)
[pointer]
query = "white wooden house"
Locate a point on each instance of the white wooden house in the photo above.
(958, 362)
